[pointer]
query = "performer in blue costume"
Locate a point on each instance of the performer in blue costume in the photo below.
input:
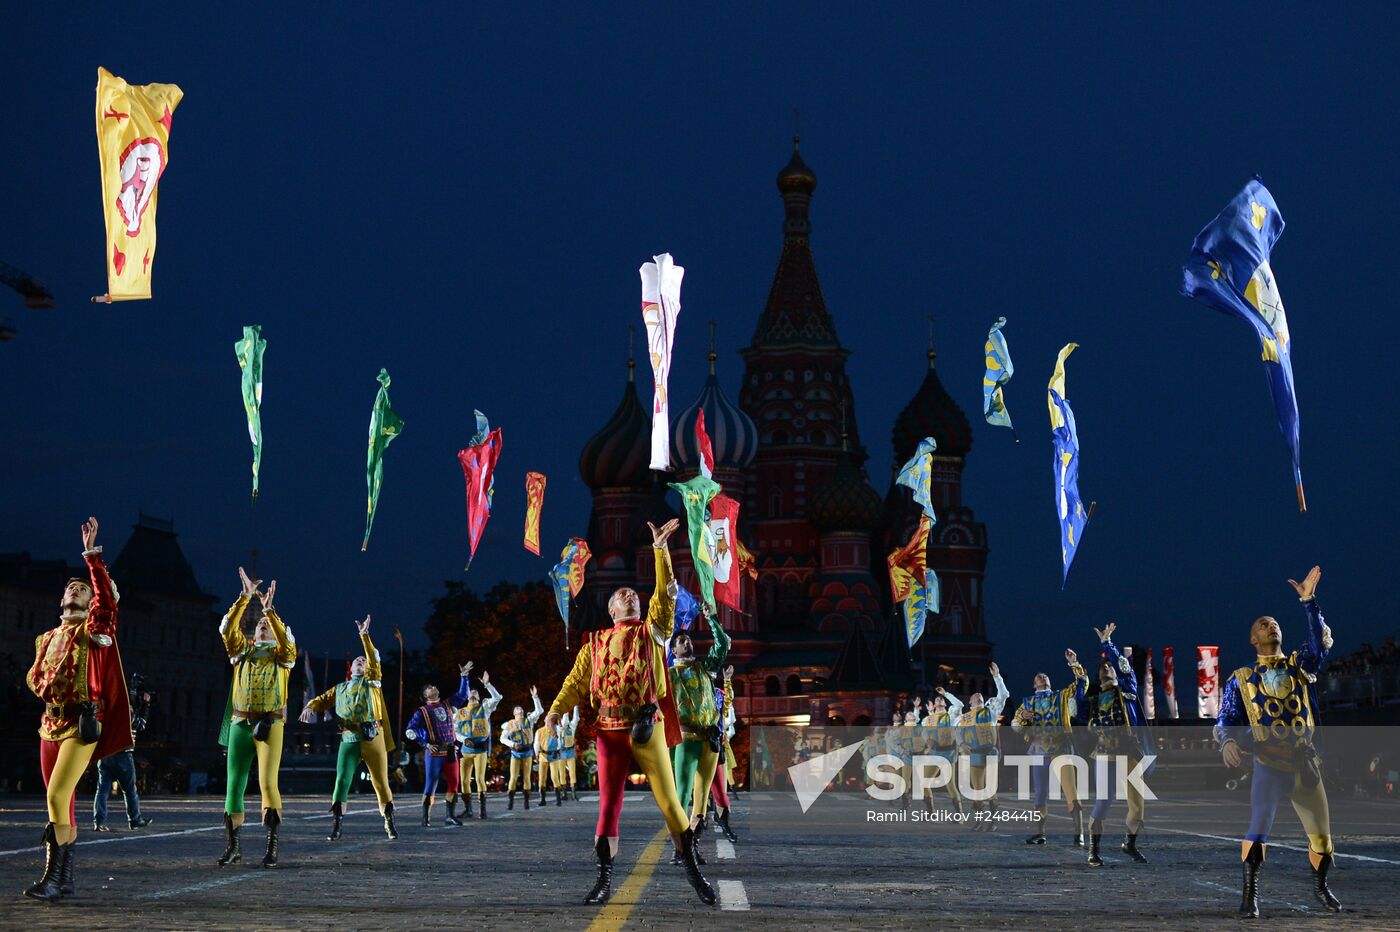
(979, 734)
(472, 723)
(1266, 710)
(1115, 714)
(1044, 720)
(431, 726)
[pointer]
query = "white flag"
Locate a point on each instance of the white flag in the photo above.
(661, 306)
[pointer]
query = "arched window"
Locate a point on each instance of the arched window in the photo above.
(775, 503)
(794, 685)
(771, 687)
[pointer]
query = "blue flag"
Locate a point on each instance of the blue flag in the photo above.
(917, 474)
(1229, 271)
(1068, 505)
(999, 372)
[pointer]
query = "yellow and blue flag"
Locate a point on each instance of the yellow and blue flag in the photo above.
(567, 577)
(1229, 271)
(913, 582)
(917, 474)
(1068, 505)
(999, 372)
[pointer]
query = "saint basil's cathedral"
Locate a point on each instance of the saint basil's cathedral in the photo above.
(819, 640)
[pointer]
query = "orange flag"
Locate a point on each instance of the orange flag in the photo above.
(133, 143)
(534, 494)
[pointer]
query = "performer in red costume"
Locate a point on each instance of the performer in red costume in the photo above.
(78, 675)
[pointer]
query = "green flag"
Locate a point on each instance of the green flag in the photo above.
(384, 426)
(250, 361)
(696, 495)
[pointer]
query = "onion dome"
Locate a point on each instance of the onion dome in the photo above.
(620, 453)
(932, 412)
(796, 177)
(845, 502)
(733, 436)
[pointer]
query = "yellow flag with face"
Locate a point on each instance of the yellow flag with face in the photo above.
(133, 143)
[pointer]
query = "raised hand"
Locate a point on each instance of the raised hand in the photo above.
(1071, 657)
(729, 672)
(485, 677)
(465, 668)
(1306, 588)
(361, 626)
(89, 534)
(250, 586)
(660, 535)
(534, 692)
(995, 671)
(267, 599)
(1106, 634)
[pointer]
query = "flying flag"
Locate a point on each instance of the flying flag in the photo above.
(478, 467)
(1068, 504)
(999, 372)
(661, 306)
(696, 494)
(534, 504)
(250, 363)
(384, 426)
(913, 582)
(687, 609)
(1208, 681)
(1229, 271)
(1149, 698)
(917, 475)
(703, 445)
(567, 577)
(1169, 680)
(724, 529)
(133, 146)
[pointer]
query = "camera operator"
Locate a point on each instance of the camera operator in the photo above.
(121, 766)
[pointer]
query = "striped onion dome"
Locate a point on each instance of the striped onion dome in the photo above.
(733, 435)
(619, 455)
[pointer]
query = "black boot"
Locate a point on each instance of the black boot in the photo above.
(1038, 838)
(65, 871)
(337, 816)
(232, 854)
(698, 831)
(427, 812)
(272, 820)
(1078, 813)
(558, 796)
(1094, 859)
(483, 806)
(722, 818)
(692, 869)
(510, 801)
(47, 887)
(544, 799)
(1249, 899)
(528, 794)
(1130, 848)
(389, 827)
(603, 888)
(140, 821)
(452, 813)
(1324, 895)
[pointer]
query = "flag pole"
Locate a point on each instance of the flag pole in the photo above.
(399, 637)
(101, 299)
(1302, 501)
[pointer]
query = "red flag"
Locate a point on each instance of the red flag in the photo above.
(702, 443)
(1208, 681)
(534, 495)
(1169, 680)
(724, 524)
(1149, 701)
(478, 463)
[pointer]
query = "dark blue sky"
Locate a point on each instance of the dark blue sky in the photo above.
(465, 199)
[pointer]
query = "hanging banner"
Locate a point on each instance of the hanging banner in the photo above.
(661, 306)
(384, 426)
(1149, 700)
(249, 351)
(133, 146)
(534, 504)
(1169, 680)
(1208, 682)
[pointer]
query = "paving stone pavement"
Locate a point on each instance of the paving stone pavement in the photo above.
(522, 869)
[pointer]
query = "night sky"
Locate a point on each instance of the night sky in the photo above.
(464, 199)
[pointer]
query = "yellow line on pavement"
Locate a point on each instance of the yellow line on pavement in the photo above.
(619, 907)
